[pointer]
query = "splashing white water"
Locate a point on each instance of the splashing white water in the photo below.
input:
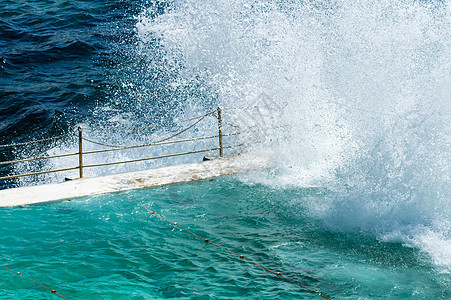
(364, 89)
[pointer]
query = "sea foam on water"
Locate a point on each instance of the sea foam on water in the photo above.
(362, 94)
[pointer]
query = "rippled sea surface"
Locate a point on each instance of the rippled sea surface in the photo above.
(112, 247)
(53, 55)
(56, 62)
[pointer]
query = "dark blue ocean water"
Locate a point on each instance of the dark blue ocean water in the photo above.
(57, 58)
(66, 64)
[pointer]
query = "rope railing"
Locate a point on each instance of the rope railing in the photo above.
(38, 173)
(81, 153)
(234, 108)
(153, 144)
(150, 126)
(232, 125)
(35, 141)
(37, 158)
(47, 150)
(149, 158)
(165, 139)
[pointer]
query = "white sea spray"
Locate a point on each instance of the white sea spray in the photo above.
(363, 91)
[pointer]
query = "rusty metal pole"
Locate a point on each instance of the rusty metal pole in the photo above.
(220, 132)
(80, 152)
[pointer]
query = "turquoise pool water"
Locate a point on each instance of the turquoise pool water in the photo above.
(112, 247)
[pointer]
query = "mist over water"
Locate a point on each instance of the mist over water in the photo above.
(360, 92)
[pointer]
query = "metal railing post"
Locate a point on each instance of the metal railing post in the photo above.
(220, 132)
(80, 152)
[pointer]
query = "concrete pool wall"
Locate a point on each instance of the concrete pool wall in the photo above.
(132, 180)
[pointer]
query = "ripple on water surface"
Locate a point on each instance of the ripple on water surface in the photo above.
(111, 247)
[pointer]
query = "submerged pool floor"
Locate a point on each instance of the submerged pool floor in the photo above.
(111, 247)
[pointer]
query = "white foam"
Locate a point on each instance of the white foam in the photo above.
(360, 88)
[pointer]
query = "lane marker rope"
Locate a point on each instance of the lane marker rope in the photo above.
(50, 290)
(206, 240)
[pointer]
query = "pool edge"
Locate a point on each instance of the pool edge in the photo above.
(132, 180)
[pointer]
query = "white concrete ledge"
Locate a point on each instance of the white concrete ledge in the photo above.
(133, 180)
